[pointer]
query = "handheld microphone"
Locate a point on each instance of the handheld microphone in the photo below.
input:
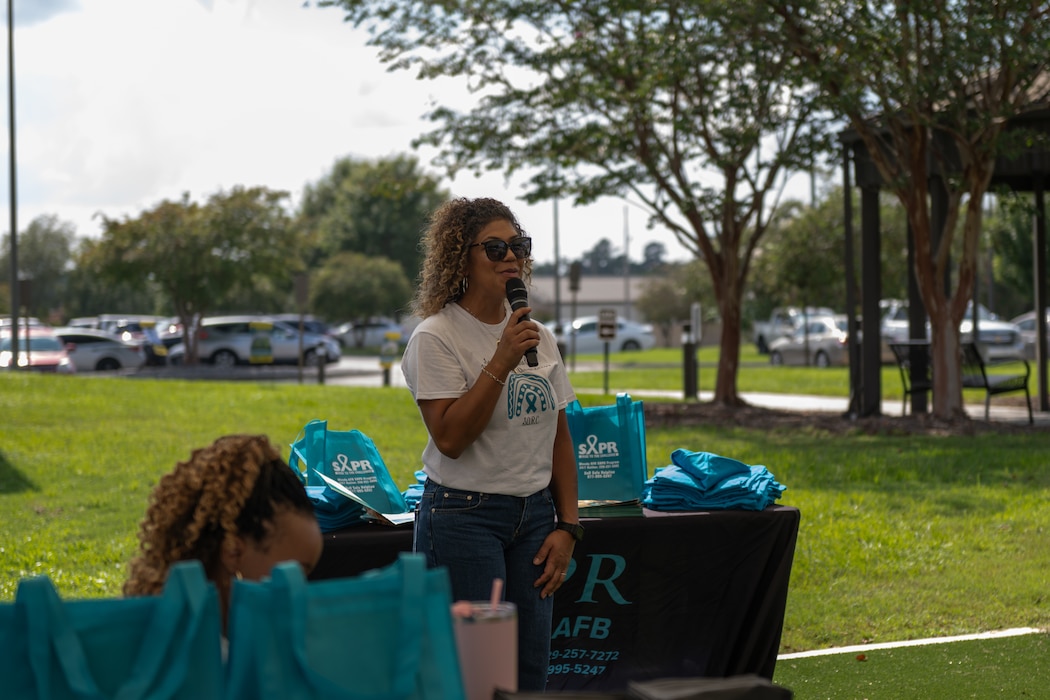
(519, 297)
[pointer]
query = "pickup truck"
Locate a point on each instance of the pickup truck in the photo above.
(783, 321)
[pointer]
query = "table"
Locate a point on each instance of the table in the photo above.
(664, 595)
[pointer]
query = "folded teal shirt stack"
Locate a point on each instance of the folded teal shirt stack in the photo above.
(706, 481)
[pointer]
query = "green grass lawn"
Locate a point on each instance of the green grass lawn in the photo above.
(902, 537)
(662, 369)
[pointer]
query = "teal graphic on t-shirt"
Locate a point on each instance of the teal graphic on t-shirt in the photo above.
(528, 395)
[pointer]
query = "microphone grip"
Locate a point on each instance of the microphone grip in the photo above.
(518, 297)
(530, 354)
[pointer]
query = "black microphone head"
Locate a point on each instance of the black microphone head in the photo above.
(517, 295)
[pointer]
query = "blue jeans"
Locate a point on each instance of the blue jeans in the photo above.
(482, 536)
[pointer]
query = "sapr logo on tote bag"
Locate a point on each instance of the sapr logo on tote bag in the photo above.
(344, 465)
(592, 447)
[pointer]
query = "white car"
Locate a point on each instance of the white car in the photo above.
(584, 333)
(999, 340)
(91, 350)
(369, 334)
(1026, 322)
(240, 340)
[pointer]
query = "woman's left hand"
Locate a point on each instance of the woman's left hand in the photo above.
(555, 555)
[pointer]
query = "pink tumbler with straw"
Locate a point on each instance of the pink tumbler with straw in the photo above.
(487, 642)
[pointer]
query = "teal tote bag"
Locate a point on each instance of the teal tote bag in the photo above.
(609, 442)
(155, 647)
(350, 458)
(384, 635)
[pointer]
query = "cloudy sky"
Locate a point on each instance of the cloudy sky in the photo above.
(123, 103)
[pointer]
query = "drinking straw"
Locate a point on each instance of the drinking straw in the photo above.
(497, 590)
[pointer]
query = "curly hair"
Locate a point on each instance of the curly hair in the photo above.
(235, 486)
(446, 244)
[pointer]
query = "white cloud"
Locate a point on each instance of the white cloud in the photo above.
(124, 103)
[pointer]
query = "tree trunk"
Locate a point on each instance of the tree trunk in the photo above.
(729, 351)
(947, 375)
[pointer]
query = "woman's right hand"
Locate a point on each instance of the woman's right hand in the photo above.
(518, 336)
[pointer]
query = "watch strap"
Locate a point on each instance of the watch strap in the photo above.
(574, 529)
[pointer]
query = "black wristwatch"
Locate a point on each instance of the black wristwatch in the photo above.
(574, 529)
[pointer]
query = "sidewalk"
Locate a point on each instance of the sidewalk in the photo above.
(365, 371)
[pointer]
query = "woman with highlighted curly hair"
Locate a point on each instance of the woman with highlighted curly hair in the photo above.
(500, 497)
(237, 507)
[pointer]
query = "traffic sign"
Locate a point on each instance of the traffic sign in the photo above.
(607, 324)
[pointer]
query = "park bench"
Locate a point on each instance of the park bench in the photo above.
(916, 372)
(908, 355)
(975, 375)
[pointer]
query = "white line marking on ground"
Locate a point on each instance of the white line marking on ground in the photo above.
(1017, 631)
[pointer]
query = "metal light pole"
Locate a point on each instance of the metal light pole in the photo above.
(13, 189)
(557, 272)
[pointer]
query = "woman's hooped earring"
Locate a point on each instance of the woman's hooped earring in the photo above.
(463, 284)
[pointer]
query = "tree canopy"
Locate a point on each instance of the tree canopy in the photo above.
(197, 254)
(929, 89)
(45, 254)
(352, 286)
(681, 105)
(376, 208)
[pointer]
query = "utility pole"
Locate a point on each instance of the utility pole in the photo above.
(13, 189)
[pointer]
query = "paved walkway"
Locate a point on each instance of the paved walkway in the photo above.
(365, 371)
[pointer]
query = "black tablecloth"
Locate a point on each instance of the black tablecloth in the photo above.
(670, 594)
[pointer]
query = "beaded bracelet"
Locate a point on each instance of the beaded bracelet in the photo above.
(497, 379)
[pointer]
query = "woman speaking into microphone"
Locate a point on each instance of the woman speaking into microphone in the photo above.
(500, 498)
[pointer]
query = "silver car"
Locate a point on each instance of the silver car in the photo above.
(240, 340)
(1026, 322)
(91, 349)
(999, 340)
(824, 338)
(584, 333)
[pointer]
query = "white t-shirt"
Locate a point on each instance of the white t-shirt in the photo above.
(513, 456)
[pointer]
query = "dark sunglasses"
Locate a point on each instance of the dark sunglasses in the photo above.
(496, 250)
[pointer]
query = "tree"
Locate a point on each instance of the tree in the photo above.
(91, 291)
(44, 257)
(197, 254)
(803, 262)
(668, 298)
(929, 89)
(376, 208)
(653, 256)
(1010, 230)
(599, 260)
(352, 286)
(681, 105)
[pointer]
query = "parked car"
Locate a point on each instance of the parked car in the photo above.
(311, 324)
(630, 335)
(999, 340)
(369, 334)
(39, 350)
(1026, 322)
(782, 322)
(234, 340)
(128, 327)
(824, 337)
(32, 322)
(92, 349)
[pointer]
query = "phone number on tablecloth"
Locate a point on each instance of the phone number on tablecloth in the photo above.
(578, 669)
(585, 654)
